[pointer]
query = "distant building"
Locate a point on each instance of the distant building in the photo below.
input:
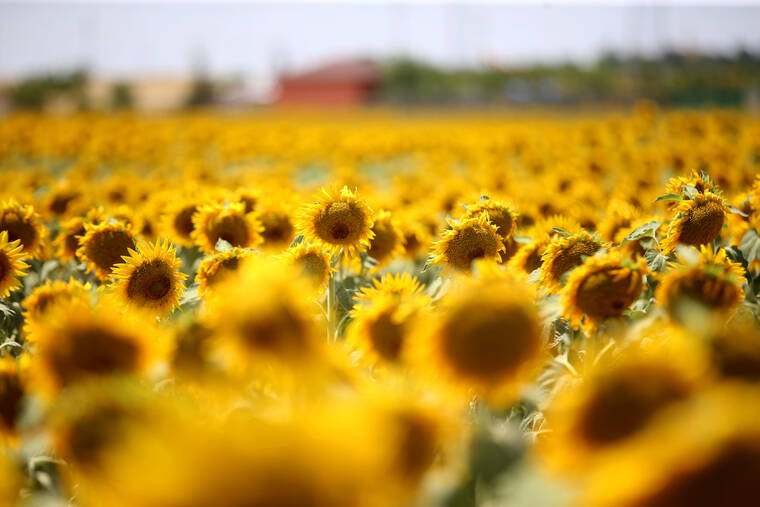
(344, 83)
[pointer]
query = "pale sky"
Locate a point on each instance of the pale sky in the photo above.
(257, 40)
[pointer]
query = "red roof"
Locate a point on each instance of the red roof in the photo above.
(347, 71)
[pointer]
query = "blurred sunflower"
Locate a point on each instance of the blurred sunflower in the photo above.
(278, 227)
(176, 223)
(22, 223)
(499, 213)
(149, 278)
(417, 236)
(72, 230)
(74, 341)
(714, 282)
(603, 286)
(387, 242)
(104, 245)
(485, 339)
(46, 296)
(227, 221)
(467, 240)
(398, 285)
(563, 254)
(338, 221)
(698, 221)
(314, 263)
(735, 351)
(11, 265)
(216, 267)
(12, 393)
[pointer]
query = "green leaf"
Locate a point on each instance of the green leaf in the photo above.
(655, 259)
(669, 197)
(222, 246)
(690, 191)
(750, 246)
(563, 232)
(645, 231)
(737, 211)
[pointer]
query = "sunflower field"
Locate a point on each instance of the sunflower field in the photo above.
(380, 309)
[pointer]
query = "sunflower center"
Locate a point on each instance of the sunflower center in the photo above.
(72, 240)
(418, 446)
(703, 225)
(231, 229)
(280, 332)
(20, 229)
(151, 281)
(93, 351)
(340, 223)
(412, 243)
(533, 262)
(11, 395)
(183, 221)
(158, 287)
(3, 268)
(626, 402)
(60, 203)
(728, 478)
(383, 243)
(572, 257)
(387, 337)
(277, 229)
(710, 292)
(489, 343)
(313, 265)
(108, 247)
(604, 294)
(472, 243)
(340, 231)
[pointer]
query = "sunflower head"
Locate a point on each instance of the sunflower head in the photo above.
(467, 240)
(11, 265)
(72, 230)
(176, 222)
(227, 221)
(387, 241)
(338, 221)
(45, 297)
(563, 254)
(215, 268)
(12, 393)
(278, 227)
(398, 285)
(698, 221)
(735, 351)
(604, 286)
(103, 246)
(22, 223)
(314, 263)
(149, 278)
(499, 213)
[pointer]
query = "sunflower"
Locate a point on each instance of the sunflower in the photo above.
(227, 221)
(467, 240)
(62, 200)
(314, 263)
(735, 351)
(44, 297)
(11, 265)
(527, 258)
(700, 181)
(387, 242)
(618, 221)
(273, 324)
(499, 213)
(417, 235)
(74, 341)
(338, 221)
(149, 279)
(616, 398)
(215, 268)
(702, 452)
(176, 223)
(485, 339)
(104, 245)
(22, 223)
(12, 393)
(714, 282)
(278, 227)
(72, 230)
(603, 286)
(398, 285)
(563, 254)
(192, 346)
(698, 221)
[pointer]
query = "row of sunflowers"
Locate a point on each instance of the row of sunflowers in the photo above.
(380, 309)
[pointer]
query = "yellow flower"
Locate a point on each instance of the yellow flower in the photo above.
(314, 263)
(11, 265)
(12, 393)
(104, 245)
(603, 286)
(698, 221)
(22, 223)
(338, 221)
(499, 213)
(176, 222)
(149, 278)
(398, 285)
(387, 241)
(563, 254)
(467, 240)
(47, 296)
(72, 231)
(215, 268)
(227, 221)
(735, 351)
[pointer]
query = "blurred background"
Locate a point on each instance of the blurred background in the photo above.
(164, 56)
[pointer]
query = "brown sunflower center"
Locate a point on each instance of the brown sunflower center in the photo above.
(60, 203)
(72, 240)
(502, 219)
(280, 332)
(4, 268)
(183, 221)
(412, 243)
(572, 257)
(418, 446)
(706, 290)
(93, 433)
(108, 247)
(703, 225)
(533, 262)
(490, 342)
(608, 293)
(152, 281)
(625, 402)
(277, 229)
(727, 478)
(472, 243)
(20, 229)
(313, 265)
(737, 361)
(96, 350)
(340, 223)
(11, 395)
(383, 243)
(231, 229)
(387, 337)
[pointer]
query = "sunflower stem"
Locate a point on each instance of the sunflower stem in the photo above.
(332, 314)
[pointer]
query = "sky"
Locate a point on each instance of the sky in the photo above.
(257, 41)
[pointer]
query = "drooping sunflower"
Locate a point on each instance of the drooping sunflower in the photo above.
(563, 254)
(604, 286)
(714, 282)
(149, 278)
(12, 393)
(75, 341)
(700, 181)
(314, 262)
(72, 230)
(467, 240)
(698, 221)
(104, 245)
(11, 265)
(215, 268)
(338, 221)
(703, 452)
(44, 297)
(484, 340)
(501, 214)
(227, 221)
(23, 223)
